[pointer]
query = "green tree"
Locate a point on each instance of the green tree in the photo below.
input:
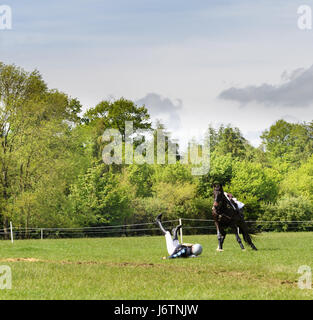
(173, 173)
(221, 169)
(288, 142)
(113, 115)
(141, 177)
(229, 140)
(299, 182)
(252, 185)
(98, 198)
(34, 127)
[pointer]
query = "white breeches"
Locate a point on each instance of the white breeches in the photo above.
(171, 244)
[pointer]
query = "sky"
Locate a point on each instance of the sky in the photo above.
(192, 63)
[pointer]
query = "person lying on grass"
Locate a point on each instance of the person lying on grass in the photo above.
(174, 248)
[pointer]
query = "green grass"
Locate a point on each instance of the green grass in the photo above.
(131, 268)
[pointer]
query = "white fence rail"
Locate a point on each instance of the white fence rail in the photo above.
(149, 228)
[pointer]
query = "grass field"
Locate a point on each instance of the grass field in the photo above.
(131, 268)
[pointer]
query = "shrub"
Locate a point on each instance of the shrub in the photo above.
(283, 215)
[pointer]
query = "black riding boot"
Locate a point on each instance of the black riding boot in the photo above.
(175, 232)
(158, 221)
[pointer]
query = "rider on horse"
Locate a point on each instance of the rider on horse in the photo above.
(227, 212)
(236, 204)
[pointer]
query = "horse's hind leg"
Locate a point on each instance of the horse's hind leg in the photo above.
(251, 244)
(246, 236)
(249, 241)
(238, 238)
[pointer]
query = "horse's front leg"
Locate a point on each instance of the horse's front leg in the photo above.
(221, 234)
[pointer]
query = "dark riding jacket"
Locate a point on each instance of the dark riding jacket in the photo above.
(181, 251)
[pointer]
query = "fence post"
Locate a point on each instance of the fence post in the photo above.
(181, 232)
(11, 231)
(41, 233)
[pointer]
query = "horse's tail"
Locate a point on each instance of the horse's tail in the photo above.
(246, 233)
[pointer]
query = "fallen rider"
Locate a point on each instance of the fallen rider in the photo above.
(174, 248)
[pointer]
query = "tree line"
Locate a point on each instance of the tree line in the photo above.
(53, 175)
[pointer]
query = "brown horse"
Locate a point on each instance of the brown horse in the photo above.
(225, 214)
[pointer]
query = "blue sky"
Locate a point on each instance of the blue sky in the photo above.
(184, 54)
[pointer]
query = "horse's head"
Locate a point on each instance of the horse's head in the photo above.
(217, 193)
(217, 186)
